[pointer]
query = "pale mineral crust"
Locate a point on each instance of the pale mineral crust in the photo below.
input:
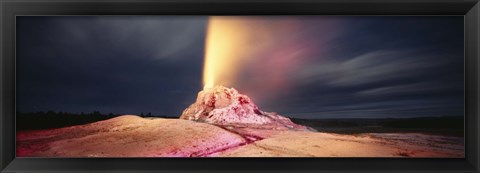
(226, 106)
(224, 123)
(133, 136)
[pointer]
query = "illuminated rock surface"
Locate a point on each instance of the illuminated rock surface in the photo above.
(224, 123)
(225, 106)
(128, 135)
(133, 136)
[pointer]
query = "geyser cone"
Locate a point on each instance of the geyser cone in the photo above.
(225, 106)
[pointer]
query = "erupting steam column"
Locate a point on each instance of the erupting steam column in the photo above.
(227, 45)
(222, 38)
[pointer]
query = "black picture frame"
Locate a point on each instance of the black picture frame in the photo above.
(11, 8)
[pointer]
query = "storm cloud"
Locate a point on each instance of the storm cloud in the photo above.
(335, 67)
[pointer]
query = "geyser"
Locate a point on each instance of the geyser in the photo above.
(226, 106)
(230, 42)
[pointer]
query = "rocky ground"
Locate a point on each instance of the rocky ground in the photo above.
(133, 136)
(224, 123)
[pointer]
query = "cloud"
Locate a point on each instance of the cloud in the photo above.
(400, 82)
(419, 87)
(393, 108)
(158, 37)
(370, 67)
(118, 64)
(314, 66)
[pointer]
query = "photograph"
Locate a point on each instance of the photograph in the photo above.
(321, 86)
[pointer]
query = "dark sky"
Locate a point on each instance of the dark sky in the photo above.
(350, 66)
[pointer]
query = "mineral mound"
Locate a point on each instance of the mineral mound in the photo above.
(227, 107)
(223, 123)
